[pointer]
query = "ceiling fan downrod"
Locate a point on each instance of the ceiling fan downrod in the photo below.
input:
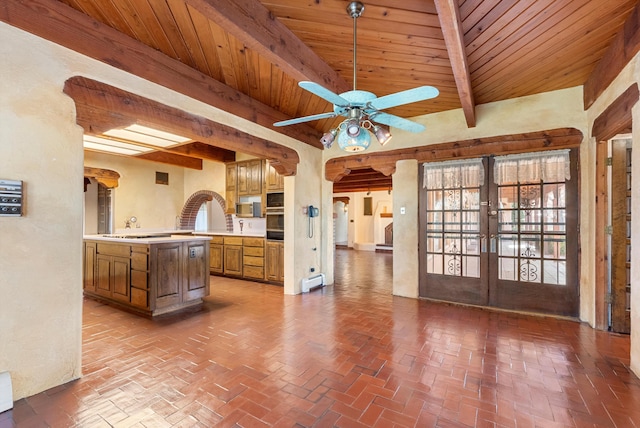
(355, 9)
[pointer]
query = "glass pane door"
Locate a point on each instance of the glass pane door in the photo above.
(512, 245)
(453, 241)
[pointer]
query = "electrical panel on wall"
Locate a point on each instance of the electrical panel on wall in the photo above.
(11, 198)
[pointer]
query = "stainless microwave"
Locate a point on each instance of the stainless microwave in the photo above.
(249, 209)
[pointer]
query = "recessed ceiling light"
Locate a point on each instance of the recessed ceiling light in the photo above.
(142, 134)
(113, 146)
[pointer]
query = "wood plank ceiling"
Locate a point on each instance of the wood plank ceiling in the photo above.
(506, 48)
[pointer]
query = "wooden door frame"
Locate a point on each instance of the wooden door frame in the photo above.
(615, 119)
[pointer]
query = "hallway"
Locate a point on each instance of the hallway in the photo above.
(349, 355)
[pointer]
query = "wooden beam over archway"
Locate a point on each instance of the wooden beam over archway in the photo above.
(100, 107)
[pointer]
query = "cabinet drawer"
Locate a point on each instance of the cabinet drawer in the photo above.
(253, 272)
(232, 240)
(253, 261)
(217, 240)
(139, 261)
(139, 298)
(114, 249)
(253, 242)
(254, 251)
(139, 279)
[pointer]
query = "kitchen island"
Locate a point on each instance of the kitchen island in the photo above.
(151, 274)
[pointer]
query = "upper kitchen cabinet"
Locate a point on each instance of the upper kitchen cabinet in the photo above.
(230, 187)
(274, 182)
(243, 178)
(249, 179)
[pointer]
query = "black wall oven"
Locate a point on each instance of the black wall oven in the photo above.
(275, 216)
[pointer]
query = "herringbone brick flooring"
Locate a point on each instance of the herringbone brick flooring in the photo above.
(349, 355)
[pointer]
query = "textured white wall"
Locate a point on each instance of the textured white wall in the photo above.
(41, 252)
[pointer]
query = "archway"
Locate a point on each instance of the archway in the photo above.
(192, 206)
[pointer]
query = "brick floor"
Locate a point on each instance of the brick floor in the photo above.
(349, 355)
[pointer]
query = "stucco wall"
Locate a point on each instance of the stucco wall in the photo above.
(155, 205)
(41, 252)
(137, 194)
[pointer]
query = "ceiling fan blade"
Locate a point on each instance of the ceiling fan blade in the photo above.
(405, 97)
(324, 93)
(306, 119)
(396, 122)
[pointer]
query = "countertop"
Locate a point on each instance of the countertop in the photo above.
(247, 234)
(156, 238)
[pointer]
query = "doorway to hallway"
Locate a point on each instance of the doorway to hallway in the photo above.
(363, 272)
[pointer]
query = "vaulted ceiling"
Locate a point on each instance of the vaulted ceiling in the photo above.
(473, 51)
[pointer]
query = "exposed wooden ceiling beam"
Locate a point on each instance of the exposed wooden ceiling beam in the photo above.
(449, 16)
(61, 24)
(622, 49)
(253, 24)
(205, 151)
(617, 118)
(100, 107)
(172, 159)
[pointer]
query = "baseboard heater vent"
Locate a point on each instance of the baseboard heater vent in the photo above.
(312, 282)
(6, 392)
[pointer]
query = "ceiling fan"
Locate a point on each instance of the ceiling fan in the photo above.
(362, 108)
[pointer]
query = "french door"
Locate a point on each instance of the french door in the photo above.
(502, 234)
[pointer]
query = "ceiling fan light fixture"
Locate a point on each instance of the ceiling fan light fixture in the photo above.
(328, 138)
(357, 143)
(382, 134)
(353, 128)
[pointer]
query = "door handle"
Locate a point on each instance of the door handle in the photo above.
(493, 243)
(483, 243)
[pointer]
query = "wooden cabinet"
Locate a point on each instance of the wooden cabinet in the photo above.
(112, 271)
(238, 256)
(274, 182)
(249, 181)
(216, 255)
(89, 266)
(253, 258)
(230, 187)
(196, 270)
(140, 276)
(153, 278)
(165, 274)
(243, 178)
(275, 261)
(233, 256)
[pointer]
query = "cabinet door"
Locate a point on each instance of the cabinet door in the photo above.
(273, 181)
(103, 275)
(254, 177)
(233, 260)
(166, 274)
(230, 188)
(196, 284)
(216, 257)
(242, 185)
(120, 283)
(89, 266)
(281, 262)
(274, 262)
(231, 178)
